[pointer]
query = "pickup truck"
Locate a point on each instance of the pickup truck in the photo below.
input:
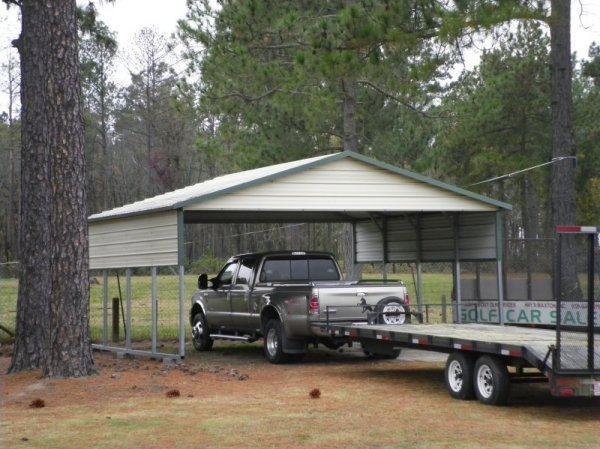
(284, 298)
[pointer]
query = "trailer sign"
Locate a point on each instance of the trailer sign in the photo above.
(529, 312)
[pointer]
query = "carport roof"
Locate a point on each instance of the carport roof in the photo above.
(237, 182)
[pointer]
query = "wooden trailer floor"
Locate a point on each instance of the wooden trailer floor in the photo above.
(532, 344)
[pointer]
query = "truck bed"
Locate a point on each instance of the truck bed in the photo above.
(526, 343)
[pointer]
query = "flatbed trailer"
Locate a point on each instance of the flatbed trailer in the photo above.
(480, 354)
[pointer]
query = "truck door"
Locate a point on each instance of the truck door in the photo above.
(218, 302)
(240, 295)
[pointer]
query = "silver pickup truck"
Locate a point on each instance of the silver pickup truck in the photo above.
(285, 298)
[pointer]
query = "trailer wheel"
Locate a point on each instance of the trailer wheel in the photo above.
(491, 380)
(200, 336)
(273, 342)
(459, 375)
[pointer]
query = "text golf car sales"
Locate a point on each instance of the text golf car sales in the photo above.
(529, 312)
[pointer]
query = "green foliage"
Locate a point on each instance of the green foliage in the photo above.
(206, 264)
(272, 72)
(501, 120)
(587, 136)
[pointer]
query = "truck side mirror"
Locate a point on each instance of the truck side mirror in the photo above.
(203, 281)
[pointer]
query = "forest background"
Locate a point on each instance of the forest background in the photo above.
(249, 84)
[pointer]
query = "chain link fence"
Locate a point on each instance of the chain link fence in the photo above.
(9, 287)
(110, 327)
(578, 311)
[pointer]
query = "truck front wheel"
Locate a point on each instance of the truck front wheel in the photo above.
(273, 342)
(200, 335)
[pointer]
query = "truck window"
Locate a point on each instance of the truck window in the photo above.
(275, 270)
(299, 269)
(245, 272)
(323, 270)
(227, 274)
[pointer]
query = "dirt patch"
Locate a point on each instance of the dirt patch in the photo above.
(232, 398)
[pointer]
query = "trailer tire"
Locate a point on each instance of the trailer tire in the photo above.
(491, 380)
(459, 375)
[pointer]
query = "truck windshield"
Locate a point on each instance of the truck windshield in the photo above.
(299, 269)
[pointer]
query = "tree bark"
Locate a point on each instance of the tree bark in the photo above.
(54, 288)
(349, 87)
(562, 188)
(34, 276)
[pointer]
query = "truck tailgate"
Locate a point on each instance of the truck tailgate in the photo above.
(340, 302)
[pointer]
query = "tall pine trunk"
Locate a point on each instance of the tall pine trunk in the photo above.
(53, 308)
(563, 143)
(34, 277)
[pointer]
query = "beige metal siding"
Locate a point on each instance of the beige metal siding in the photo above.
(139, 241)
(476, 238)
(347, 185)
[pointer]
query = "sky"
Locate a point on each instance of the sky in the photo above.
(127, 17)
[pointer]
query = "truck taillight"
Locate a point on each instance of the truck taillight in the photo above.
(313, 305)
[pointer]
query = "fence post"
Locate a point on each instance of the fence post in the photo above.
(444, 313)
(115, 319)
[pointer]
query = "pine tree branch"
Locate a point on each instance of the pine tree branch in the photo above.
(245, 97)
(395, 98)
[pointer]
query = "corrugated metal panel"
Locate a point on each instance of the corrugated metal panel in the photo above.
(344, 185)
(477, 238)
(402, 240)
(140, 241)
(437, 236)
(368, 242)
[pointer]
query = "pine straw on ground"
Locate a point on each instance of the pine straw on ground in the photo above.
(232, 398)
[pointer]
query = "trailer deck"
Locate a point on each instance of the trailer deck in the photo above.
(530, 344)
(495, 347)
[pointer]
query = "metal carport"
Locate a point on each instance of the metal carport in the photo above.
(397, 216)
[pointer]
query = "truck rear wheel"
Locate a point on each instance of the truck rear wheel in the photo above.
(273, 342)
(459, 375)
(491, 380)
(200, 336)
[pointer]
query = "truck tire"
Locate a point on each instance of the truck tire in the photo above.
(491, 380)
(459, 375)
(392, 305)
(200, 336)
(273, 342)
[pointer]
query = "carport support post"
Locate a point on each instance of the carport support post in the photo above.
(105, 308)
(419, 266)
(499, 255)
(457, 288)
(154, 309)
(128, 308)
(182, 311)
